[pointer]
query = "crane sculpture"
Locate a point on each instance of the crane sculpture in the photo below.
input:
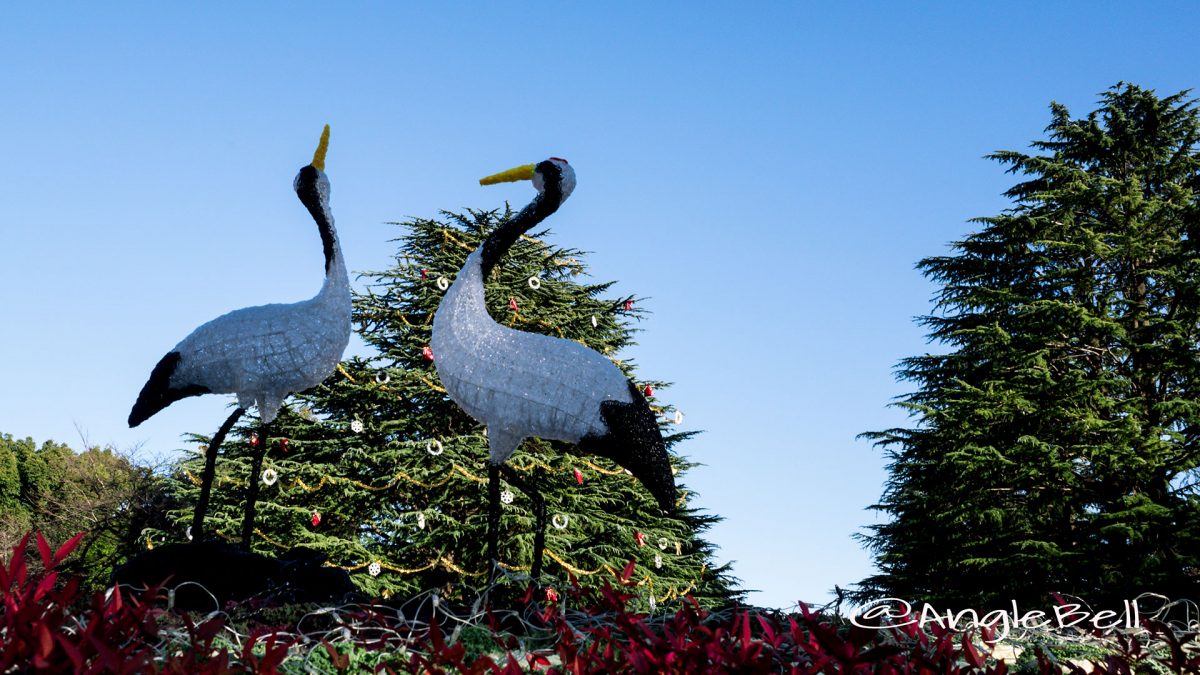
(523, 384)
(261, 354)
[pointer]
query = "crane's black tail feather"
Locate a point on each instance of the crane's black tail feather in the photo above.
(635, 442)
(157, 392)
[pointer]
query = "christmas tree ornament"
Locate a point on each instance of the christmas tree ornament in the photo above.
(653, 603)
(424, 274)
(420, 521)
(663, 543)
(512, 304)
(507, 497)
(678, 548)
(316, 518)
(188, 533)
(551, 595)
(284, 444)
(595, 322)
(648, 391)
(356, 426)
(578, 477)
(434, 447)
(658, 562)
(374, 568)
(640, 538)
(628, 305)
(254, 440)
(443, 283)
(382, 377)
(261, 354)
(523, 384)
(678, 417)
(307, 414)
(560, 521)
(427, 353)
(535, 283)
(269, 476)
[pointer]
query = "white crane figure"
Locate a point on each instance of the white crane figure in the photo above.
(522, 384)
(262, 354)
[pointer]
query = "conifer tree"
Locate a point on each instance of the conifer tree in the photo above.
(381, 471)
(1057, 442)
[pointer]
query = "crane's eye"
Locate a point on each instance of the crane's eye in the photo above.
(559, 159)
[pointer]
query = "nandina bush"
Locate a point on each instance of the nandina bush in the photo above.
(47, 625)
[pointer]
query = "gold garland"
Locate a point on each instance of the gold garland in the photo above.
(446, 237)
(431, 385)
(449, 565)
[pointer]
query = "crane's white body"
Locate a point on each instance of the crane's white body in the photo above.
(518, 384)
(265, 353)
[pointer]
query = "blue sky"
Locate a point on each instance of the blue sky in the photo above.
(767, 175)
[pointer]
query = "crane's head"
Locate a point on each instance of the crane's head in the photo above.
(312, 177)
(551, 177)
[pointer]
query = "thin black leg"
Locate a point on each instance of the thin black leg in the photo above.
(493, 533)
(210, 471)
(252, 490)
(529, 487)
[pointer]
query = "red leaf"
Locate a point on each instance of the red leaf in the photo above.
(339, 661)
(45, 585)
(65, 549)
(44, 550)
(970, 653)
(72, 652)
(627, 573)
(45, 642)
(768, 631)
(16, 565)
(115, 604)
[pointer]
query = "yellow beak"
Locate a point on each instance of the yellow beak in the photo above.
(524, 172)
(319, 156)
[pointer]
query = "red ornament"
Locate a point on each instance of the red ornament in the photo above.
(316, 519)
(424, 274)
(628, 305)
(283, 444)
(578, 477)
(641, 538)
(254, 440)
(427, 353)
(512, 302)
(551, 595)
(648, 391)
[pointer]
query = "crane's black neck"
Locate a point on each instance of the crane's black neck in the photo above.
(308, 189)
(546, 203)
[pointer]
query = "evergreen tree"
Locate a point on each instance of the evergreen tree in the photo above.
(381, 471)
(1057, 442)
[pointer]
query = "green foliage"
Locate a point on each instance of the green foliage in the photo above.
(398, 472)
(1056, 442)
(10, 478)
(61, 493)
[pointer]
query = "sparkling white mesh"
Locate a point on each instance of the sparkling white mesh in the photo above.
(265, 353)
(519, 384)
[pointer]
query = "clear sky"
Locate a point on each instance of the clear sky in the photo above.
(766, 173)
